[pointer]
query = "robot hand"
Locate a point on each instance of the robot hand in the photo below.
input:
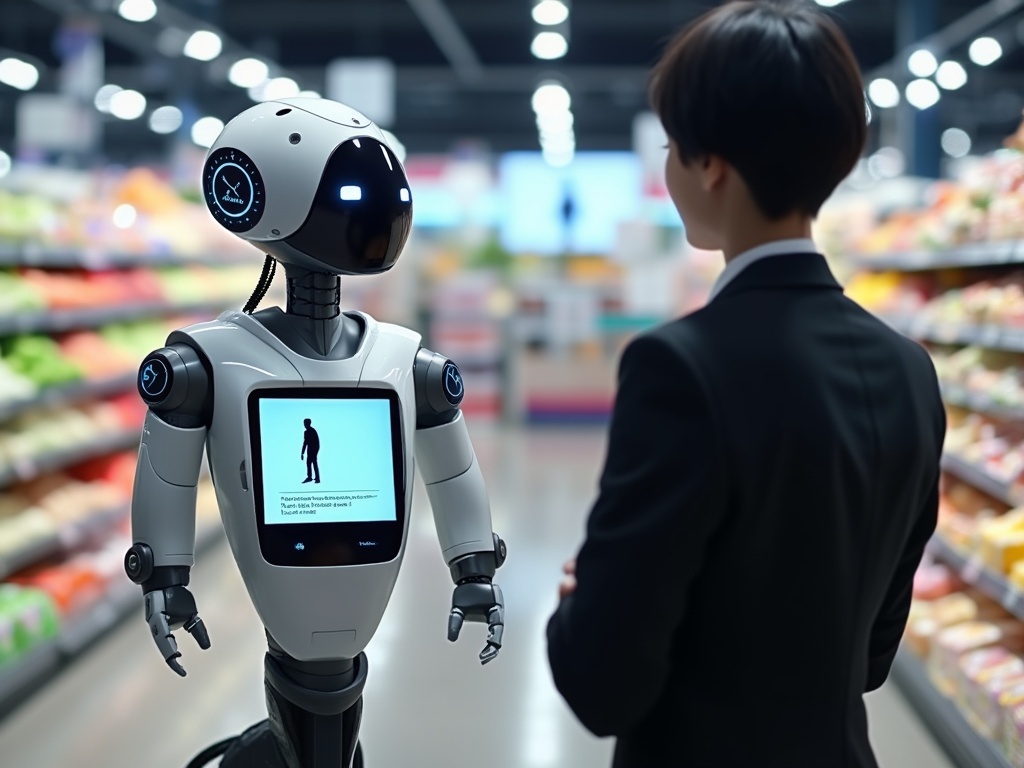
(479, 601)
(169, 609)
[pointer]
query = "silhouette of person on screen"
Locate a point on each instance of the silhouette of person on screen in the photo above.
(310, 450)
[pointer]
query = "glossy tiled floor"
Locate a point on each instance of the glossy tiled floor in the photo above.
(428, 702)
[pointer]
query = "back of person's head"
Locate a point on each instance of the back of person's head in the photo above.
(307, 422)
(772, 88)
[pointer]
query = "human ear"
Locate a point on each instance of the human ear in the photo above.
(712, 172)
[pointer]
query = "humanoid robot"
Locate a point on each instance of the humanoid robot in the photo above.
(316, 186)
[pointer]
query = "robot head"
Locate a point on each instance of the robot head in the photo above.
(313, 183)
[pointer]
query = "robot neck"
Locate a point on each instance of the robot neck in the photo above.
(312, 324)
(315, 295)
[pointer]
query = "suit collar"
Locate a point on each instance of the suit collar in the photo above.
(796, 270)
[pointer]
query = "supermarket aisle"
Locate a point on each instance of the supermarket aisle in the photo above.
(120, 707)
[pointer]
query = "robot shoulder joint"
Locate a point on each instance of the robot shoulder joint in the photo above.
(175, 383)
(439, 389)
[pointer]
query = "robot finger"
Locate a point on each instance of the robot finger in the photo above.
(159, 625)
(455, 621)
(197, 629)
(495, 626)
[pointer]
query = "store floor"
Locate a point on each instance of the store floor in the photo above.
(120, 707)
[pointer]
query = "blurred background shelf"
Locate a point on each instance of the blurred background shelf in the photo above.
(25, 470)
(25, 674)
(978, 478)
(964, 746)
(39, 257)
(981, 403)
(66, 394)
(973, 572)
(982, 254)
(56, 321)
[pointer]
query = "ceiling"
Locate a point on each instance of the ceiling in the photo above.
(486, 93)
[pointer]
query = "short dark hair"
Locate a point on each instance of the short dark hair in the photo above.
(774, 89)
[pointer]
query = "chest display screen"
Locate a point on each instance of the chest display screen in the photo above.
(328, 475)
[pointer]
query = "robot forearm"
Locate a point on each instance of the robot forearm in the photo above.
(455, 487)
(164, 498)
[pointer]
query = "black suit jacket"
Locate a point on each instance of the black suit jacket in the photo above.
(771, 480)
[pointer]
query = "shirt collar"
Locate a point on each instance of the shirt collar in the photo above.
(763, 251)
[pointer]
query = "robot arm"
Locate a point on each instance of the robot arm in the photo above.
(175, 385)
(455, 487)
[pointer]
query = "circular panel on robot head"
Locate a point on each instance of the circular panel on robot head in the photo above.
(233, 188)
(362, 212)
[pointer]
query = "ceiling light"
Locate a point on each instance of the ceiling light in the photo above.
(165, 120)
(127, 105)
(206, 130)
(103, 96)
(18, 74)
(549, 45)
(951, 75)
(248, 73)
(280, 88)
(550, 98)
(124, 216)
(884, 93)
(923, 93)
(550, 12)
(985, 51)
(137, 10)
(5, 164)
(204, 45)
(830, 3)
(956, 142)
(922, 63)
(555, 121)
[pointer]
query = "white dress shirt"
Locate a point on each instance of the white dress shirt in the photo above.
(745, 259)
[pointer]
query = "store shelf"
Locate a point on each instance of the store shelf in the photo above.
(77, 319)
(971, 570)
(31, 671)
(963, 745)
(978, 478)
(29, 555)
(981, 403)
(35, 256)
(29, 469)
(970, 255)
(66, 394)
(68, 538)
(989, 336)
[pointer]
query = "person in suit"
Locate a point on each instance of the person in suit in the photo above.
(772, 466)
(310, 451)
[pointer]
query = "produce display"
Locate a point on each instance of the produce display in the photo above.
(38, 434)
(985, 206)
(990, 376)
(137, 212)
(29, 290)
(994, 447)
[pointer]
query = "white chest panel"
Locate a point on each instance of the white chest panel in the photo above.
(312, 613)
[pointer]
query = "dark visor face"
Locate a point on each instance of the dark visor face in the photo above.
(362, 212)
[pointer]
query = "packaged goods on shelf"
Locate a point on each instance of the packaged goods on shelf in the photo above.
(997, 449)
(28, 618)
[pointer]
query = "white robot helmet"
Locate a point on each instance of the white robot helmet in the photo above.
(313, 183)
